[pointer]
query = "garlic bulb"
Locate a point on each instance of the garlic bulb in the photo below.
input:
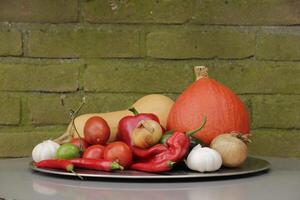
(44, 151)
(204, 159)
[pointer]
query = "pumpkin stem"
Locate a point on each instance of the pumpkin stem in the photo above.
(191, 133)
(133, 110)
(200, 72)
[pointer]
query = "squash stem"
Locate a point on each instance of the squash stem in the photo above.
(191, 133)
(133, 110)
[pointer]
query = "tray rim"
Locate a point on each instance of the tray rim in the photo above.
(144, 175)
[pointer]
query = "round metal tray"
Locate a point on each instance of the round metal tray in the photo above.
(251, 166)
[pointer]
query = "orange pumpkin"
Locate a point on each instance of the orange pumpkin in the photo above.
(224, 110)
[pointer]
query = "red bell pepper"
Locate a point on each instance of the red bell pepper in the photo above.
(129, 123)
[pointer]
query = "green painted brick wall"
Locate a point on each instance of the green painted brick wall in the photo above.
(201, 44)
(54, 52)
(51, 11)
(11, 43)
(75, 42)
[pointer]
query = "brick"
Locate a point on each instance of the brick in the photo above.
(244, 12)
(269, 142)
(52, 11)
(75, 42)
(278, 46)
(10, 42)
(135, 11)
(276, 111)
(253, 77)
(134, 76)
(10, 110)
(29, 77)
(48, 109)
(200, 44)
(108, 102)
(20, 144)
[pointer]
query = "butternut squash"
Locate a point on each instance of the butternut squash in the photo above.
(157, 104)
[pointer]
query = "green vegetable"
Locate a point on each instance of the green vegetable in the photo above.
(68, 151)
(166, 136)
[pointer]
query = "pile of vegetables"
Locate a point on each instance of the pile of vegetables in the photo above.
(207, 127)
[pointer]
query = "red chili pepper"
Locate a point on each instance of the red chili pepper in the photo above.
(96, 164)
(56, 164)
(157, 167)
(176, 148)
(129, 123)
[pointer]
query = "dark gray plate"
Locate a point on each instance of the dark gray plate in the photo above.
(252, 165)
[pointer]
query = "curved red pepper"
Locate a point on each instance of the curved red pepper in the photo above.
(129, 123)
(177, 146)
(157, 167)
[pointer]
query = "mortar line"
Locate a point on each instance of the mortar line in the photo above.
(127, 92)
(82, 22)
(23, 43)
(21, 121)
(249, 58)
(274, 129)
(82, 69)
(81, 18)
(29, 127)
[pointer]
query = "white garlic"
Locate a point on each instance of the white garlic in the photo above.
(204, 159)
(44, 151)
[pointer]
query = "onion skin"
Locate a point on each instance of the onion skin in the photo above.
(232, 149)
(147, 134)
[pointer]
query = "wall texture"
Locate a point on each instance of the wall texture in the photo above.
(115, 51)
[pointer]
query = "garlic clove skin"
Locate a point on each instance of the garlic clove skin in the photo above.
(44, 151)
(198, 146)
(204, 159)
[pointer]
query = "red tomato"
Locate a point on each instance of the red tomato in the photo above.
(119, 152)
(96, 130)
(76, 141)
(96, 152)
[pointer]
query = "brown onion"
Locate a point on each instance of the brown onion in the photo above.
(232, 149)
(147, 134)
